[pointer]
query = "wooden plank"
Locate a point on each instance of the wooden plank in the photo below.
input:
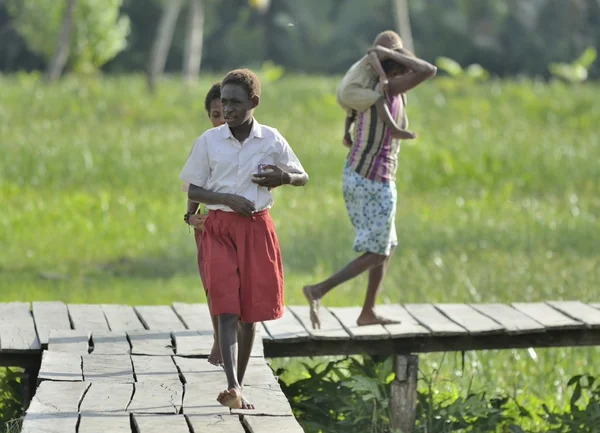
(121, 318)
(513, 320)
(258, 349)
(103, 423)
(68, 340)
(408, 326)
(154, 368)
(161, 423)
(156, 398)
(579, 311)
(110, 343)
(107, 368)
(50, 315)
(595, 305)
(54, 423)
(218, 424)
(52, 397)
(194, 316)
(193, 343)
(159, 318)
(279, 424)
(259, 373)
(195, 369)
(547, 316)
(17, 330)
(87, 317)
(200, 398)
(107, 397)
(287, 328)
(61, 366)
(331, 328)
(268, 401)
(428, 316)
(150, 343)
(348, 316)
(470, 319)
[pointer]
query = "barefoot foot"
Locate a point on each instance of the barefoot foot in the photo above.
(215, 357)
(372, 318)
(314, 302)
(247, 405)
(232, 398)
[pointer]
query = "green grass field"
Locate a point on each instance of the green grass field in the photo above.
(499, 200)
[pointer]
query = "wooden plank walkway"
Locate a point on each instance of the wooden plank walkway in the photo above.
(139, 369)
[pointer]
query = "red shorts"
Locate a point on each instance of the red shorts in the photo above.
(242, 266)
(198, 236)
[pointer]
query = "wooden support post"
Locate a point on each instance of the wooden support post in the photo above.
(403, 397)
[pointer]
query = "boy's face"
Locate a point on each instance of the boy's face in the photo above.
(237, 105)
(215, 113)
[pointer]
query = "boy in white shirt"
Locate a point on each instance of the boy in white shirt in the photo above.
(231, 169)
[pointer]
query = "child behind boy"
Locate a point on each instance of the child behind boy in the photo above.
(359, 88)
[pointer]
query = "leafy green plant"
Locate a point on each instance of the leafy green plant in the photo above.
(474, 72)
(10, 400)
(577, 71)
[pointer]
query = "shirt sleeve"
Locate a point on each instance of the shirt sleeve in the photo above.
(197, 169)
(286, 158)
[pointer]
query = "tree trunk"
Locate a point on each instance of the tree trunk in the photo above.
(192, 56)
(162, 41)
(402, 20)
(63, 44)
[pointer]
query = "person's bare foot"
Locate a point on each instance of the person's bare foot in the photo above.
(372, 318)
(246, 404)
(232, 398)
(314, 303)
(215, 357)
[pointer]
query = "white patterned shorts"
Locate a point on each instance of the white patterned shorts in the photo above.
(371, 207)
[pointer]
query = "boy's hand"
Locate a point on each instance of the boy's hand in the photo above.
(385, 85)
(347, 141)
(197, 221)
(272, 178)
(239, 204)
(403, 134)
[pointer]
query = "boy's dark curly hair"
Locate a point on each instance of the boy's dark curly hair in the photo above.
(245, 78)
(213, 93)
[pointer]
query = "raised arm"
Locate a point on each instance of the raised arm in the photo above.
(420, 70)
(375, 62)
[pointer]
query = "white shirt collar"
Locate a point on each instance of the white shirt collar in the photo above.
(255, 132)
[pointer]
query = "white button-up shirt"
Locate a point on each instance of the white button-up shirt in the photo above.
(219, 163)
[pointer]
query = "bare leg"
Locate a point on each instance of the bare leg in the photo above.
(215, 357)
(351, 270)
(246, 333)
(232, 397)
(368, 316)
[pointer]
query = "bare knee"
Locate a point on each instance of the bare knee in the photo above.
(246, 326)
(376, 259)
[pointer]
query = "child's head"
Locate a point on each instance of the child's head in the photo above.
(212, 104)
(393, 68)
(240, 95)
(388, 39)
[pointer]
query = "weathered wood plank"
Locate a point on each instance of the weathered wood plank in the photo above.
(470, 319)
(17, 330)
(104, 423)
(195, 369)
(110, 343)
(258, 349)
(121, 318)
(159, 318)
(194, 316)
(151, 343)
(156, 398)
(50, 315)
(547, 316)
(161, 423)
(579, 311)
(154, 368)
(192, 343)
(54, 423)
(428, 316)
(87, 317)
(348, 316)
(513, 320)
(61, 366)
(287, 328)
(107, 397)
(259, 373)
(279, 424)
(200, 398)
(107, 368)
(269, 401)
(218, 424)
(408, 326)
(595, 305)
(53, 397)
(331, 328)
(68, 340)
